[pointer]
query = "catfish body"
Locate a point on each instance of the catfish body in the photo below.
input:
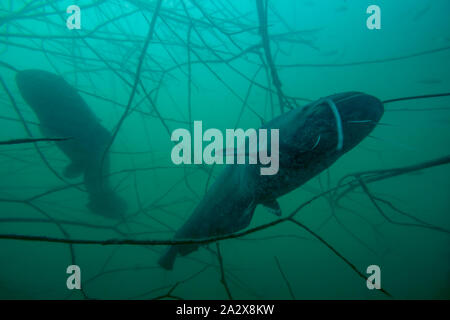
(62, 112)
(312, 138)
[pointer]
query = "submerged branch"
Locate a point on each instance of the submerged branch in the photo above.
(263, 30)
(288, 284)
(222, 272)
(31, 140)
(290, 218)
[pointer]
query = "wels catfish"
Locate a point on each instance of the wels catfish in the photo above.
(63, 112)
(311, 139)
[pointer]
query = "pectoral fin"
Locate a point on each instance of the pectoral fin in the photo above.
(273, 206)
(246, 217)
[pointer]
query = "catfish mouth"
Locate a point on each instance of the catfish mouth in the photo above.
(342, 121)
(34, 87)
(29, 79)
(357, 108)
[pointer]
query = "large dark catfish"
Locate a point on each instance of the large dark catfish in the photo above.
(62, 112)
(311, 139)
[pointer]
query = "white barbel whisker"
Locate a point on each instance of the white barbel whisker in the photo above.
(359, 121)
(340, 131)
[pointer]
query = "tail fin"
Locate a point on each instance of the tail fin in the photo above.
(168, 258)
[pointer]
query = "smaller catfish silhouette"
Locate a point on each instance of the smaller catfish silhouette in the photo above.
(63, 112)
(311, 139)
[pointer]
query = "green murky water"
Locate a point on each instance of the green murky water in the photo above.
(205, 62)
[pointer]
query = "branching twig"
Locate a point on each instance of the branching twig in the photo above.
(222, 272)
(288, 284)
(31, 140)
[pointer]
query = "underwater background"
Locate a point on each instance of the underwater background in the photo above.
(205, 62)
